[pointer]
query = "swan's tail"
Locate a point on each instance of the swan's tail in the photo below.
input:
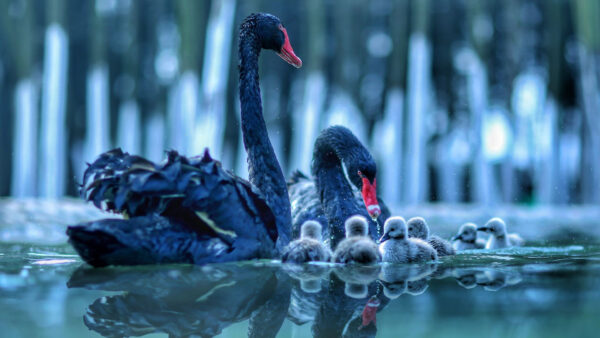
(103, 178)
(132, 185)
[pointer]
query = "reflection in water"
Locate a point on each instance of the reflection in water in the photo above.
(340, 301)
(494, 280)
(489, 279)
(185, 301)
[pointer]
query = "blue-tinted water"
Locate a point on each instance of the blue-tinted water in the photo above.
(538, 291)
(551, 288)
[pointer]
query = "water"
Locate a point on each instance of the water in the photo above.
(537, 291)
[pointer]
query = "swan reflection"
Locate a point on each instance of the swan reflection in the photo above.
(182, 301)
(204, 300)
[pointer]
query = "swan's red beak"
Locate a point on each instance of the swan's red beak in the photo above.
(369, 194)
(287, 52)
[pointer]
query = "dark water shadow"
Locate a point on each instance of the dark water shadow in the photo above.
(336, 301)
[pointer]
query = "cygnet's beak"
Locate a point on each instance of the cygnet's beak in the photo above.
(483, 228)
(456, 237)
(384, 238)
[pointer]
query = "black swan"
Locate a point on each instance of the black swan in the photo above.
(190, 210)
(329, 198)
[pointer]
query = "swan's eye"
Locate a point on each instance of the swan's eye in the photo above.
(360, 173)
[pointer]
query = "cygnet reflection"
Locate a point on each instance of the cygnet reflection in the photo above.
(395, 279)
(309, 275)
(357, 279)
(494, 280)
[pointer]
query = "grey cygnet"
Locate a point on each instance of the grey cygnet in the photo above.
(357, 247)
(499, 237)
(418, 228)
(309, 247)
(396, 247)
(466, 239)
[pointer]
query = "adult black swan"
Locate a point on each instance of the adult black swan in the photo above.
(190, 210)
(329, 198)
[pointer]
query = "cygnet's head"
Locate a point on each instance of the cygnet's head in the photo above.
(394, 290)
(356, 291)
(394, 227)
(466, 233)
(310, 285)
(418, 228)
(356, 225)
(495, 226)
(467, 281)
(418, 287)
(311, 229)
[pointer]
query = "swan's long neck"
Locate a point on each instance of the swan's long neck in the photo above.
(263, 168)
(337, 200)
(336, 194)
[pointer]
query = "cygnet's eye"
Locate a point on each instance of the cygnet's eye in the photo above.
(410, 228)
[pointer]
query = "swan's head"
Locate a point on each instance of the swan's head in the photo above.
(272, 35)
(311, 229)
(418, 228)
(466, 233)
(395, 228)
(361, 169)
(356, 225)
(494, 226)
(337, 144)
(368, 187)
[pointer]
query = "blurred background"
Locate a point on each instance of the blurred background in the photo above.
(489, 102)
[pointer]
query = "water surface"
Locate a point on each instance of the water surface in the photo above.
(538, 291)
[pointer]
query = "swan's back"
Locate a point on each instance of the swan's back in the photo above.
(196, 191)
(194, 195)
(306, 205)
(148, 239)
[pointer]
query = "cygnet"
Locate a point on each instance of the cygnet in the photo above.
(308, 248)
(466, 239)
(418, 228)
(396, 247)
(357, 247)
(499, 238)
